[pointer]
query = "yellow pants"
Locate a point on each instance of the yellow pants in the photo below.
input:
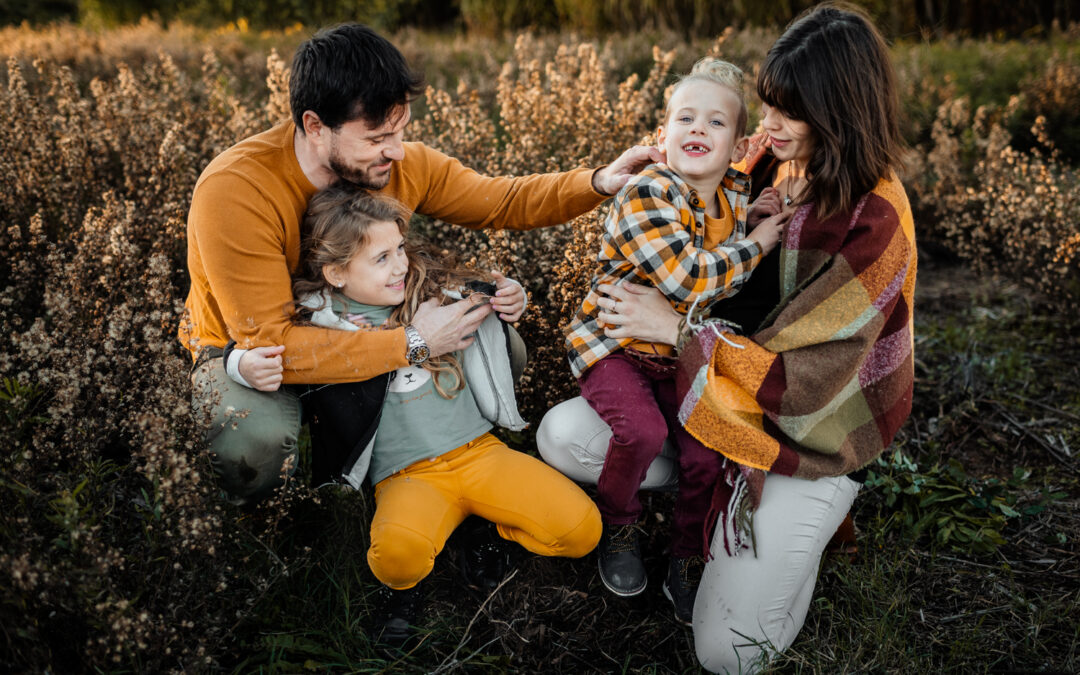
(417, 508)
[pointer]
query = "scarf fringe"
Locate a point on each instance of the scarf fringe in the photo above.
(732, 508)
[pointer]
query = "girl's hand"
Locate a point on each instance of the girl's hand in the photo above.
(767, 204)
(639, 312)
(262, 368)
(509, 299)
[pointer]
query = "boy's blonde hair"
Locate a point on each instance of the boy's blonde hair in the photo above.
(718, 72)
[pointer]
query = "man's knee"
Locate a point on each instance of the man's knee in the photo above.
(251, 436)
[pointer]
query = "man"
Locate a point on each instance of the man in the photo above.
(350, 91)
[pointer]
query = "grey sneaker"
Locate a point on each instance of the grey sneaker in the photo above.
(621, 567)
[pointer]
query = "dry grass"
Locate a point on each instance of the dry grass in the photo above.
(117, 552)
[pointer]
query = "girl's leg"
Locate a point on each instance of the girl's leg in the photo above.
(622, 393)
(749, 606)
(530, 502)
(416, 510)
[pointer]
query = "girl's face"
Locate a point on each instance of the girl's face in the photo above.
(376, 273)
(791, 139)
(698, 138)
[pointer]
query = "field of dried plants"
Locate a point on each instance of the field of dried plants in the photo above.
(119, 555)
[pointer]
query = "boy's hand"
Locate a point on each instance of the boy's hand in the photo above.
(768, 232)
(509, 299)
(262, 368)
(767, 204)
(609, 179)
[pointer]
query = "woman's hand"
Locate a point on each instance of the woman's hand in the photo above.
(767, 204)
(770, 231)
(639, 312)
(261, 367)
(509, 298)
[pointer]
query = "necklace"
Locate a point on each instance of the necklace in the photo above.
(793, 175)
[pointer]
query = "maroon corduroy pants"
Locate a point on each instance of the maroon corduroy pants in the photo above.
(635, 395)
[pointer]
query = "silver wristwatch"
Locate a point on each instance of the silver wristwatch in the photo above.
(418, 351)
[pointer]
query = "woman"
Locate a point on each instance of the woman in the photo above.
(819, 378)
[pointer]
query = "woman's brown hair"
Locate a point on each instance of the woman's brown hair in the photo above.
(334, 230)
(831, 70)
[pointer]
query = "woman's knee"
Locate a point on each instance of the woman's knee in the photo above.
(737, 656)
(400, 557)
(572, 438)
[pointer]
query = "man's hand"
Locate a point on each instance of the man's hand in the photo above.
(509, 300)
(450, 327)
(261, 367)
(610, 179)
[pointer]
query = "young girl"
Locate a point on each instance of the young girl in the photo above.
(422, 434)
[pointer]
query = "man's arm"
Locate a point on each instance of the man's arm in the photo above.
(437, 185)
(239, 244)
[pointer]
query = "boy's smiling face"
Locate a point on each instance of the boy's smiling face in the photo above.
(699, 135)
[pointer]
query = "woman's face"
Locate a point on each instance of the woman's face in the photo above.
(791, 139)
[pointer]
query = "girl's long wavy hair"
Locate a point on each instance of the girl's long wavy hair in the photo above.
(335, 229)
(831, 69)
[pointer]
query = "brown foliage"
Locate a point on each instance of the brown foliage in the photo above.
(112, 533)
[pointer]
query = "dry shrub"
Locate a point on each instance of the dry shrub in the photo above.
(1005, 210)
(114, 546)
(113, 539)
(548, 116)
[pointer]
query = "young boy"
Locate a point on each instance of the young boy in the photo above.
(681, 227)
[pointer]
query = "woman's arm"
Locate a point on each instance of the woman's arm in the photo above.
(640, 312)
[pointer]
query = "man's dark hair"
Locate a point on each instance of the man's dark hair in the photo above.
(349, 72)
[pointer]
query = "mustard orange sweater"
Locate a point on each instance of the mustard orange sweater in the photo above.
(243, 238)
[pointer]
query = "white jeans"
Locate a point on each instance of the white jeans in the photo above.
(748, 607)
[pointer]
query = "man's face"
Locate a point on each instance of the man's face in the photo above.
(364, 155)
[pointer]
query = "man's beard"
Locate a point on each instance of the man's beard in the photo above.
(361, 178)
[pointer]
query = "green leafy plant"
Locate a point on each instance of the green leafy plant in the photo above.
(952, 508)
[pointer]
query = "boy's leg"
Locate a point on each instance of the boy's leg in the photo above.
(699, 469)
(530, 502)
(574, 439)
(416, 510)
(621, 391)
(251, 435)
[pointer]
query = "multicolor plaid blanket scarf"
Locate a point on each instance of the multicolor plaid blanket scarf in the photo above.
(824, 387)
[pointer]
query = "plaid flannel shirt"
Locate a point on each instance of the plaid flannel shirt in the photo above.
(654, 235)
